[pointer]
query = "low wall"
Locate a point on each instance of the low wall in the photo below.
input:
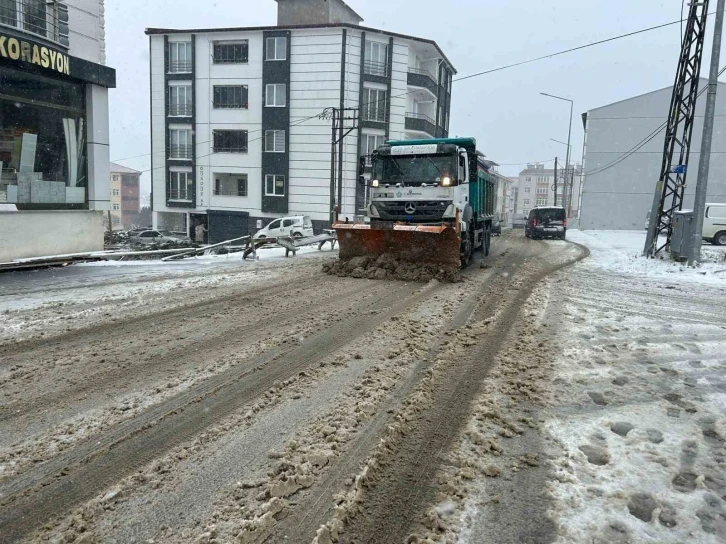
(25, 234)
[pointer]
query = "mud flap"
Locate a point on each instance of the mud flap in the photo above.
(420, 244)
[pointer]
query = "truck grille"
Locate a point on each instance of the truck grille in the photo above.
(427, 211)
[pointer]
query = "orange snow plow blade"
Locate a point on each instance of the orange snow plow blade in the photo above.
(433, 245)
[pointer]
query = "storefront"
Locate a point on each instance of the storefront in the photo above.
(54, 154)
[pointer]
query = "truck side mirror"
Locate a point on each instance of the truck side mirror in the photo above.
(362, 166)
(362, 180)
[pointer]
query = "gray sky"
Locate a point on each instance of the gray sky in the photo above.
(504, 111)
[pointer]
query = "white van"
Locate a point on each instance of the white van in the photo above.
(714, 224)
(299, 226)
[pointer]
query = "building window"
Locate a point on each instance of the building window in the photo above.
(230, 184)
(526, 202)
(374, 105)
(541, 202)
(528, 178)
(115, 177)
(376, 61)
(276, 48)
(116, 192)
(116, 220)
(542, 191)
(274, 141)
(180, 100)
(276, 95)
(180, 141)
(231, 52)
(180, 57)
(371, 142)
(527, 189)
(274, 185)
(116, 207)
(180, 186)
(230, 141)
(230, 97)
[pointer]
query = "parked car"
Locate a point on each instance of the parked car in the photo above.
(714, 224)
(299, 226)
(546, 222)
(148, 237)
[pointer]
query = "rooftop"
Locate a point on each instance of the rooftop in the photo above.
(120, 169)
(162, 31)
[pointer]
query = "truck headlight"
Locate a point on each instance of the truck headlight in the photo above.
(375, 183)
(373, 211)
(446, 182)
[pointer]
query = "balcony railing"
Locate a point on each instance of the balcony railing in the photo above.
(180, 66)
(180, 110)
(182, 152)
(375, 111)
(420, 122)
(48, 19)
(373, 68)
(174, 194)
(230, 192)
(422, 72)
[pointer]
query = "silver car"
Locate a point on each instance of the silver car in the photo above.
(149, 237)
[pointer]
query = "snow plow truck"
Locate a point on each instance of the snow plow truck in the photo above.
(430, 203)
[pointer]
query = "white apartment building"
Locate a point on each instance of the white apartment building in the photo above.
(536, 187)
(238, 138)
(54, 133)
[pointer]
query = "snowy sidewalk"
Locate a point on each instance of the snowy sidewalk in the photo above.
(639, 397)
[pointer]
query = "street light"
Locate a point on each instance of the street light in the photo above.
(569, 134)
(564, 177)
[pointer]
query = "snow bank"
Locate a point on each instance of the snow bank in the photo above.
(621, 252)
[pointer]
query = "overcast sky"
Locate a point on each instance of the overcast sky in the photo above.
(512, 123)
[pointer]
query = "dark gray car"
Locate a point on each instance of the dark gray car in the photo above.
(546, 222)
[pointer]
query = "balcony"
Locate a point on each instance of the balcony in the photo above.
(45, 18)
(420, 122)
(180, 110)
(180, 67)
(179, 196)
(372, 68)
(183, 152)
(418, 77)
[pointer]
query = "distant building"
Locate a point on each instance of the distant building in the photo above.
(621, 170)
(536, 187)
(54, 134)
(238, 135)
(125, 200)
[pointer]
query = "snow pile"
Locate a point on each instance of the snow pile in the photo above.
(388, 267)
(621, 252)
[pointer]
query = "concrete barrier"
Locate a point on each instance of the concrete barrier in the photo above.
(26, 234)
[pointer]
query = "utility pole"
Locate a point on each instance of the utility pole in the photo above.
(693, 249)
(555, 181)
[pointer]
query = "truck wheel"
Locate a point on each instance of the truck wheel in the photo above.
(720, 239)
(467, 251)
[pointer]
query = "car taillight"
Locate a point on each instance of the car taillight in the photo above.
(564, 223)
(534, 222)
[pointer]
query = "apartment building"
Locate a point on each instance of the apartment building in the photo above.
(124, 197)
(241, 125)
(54, 136)
(536, 187)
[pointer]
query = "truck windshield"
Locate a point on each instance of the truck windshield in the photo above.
(414, 169)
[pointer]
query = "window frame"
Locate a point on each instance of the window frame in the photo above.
(275, 40)
(274, 179)
(275, 136)
(219, 90)
(175, 183)
(368, 104)
(188, 56)
(274, 94)
(187, 138)
(230, 149)
(376, 65)
(188, 102)
(244, 59)
(240, 178)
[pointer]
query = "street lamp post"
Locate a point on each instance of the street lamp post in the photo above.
(569, 134)
(564, 187)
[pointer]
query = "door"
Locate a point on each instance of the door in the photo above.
(273, 229)
(287, 226)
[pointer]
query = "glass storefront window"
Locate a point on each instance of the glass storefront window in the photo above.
(42, 141)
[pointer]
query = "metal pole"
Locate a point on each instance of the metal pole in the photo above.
(555, 181)
(332, 164)
(699, 206)
(569, 153)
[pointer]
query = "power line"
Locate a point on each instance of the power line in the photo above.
(479, 74)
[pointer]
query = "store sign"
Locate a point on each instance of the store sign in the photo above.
(24, 51)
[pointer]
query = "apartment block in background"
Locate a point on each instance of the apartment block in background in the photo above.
(125, 197)
(238, 135)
